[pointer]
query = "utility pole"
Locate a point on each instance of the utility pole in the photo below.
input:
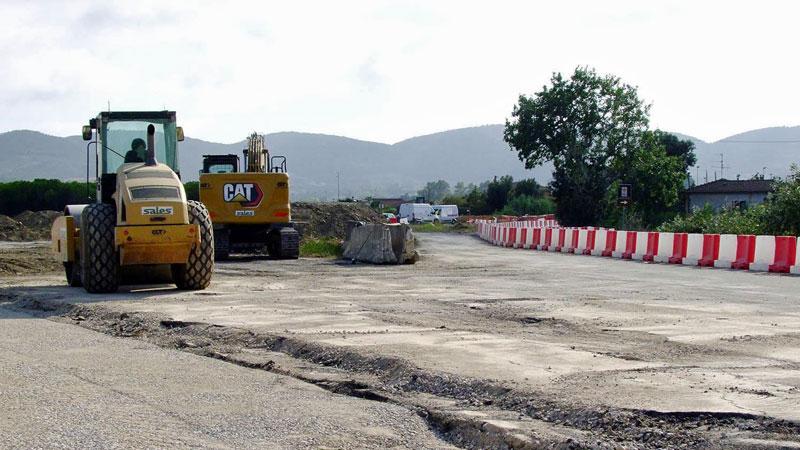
(722, 166)
(338, 195)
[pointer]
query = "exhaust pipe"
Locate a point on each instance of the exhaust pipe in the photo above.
(150, 160)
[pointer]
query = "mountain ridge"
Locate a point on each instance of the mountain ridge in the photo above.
(469, 154)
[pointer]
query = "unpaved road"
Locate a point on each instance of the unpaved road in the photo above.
(494, 346)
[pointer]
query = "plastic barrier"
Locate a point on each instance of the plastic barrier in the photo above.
(727, 251)
(679, 244)
(606, 243)
(757, 253)
(710, 251)
(646, 245)
(559, 240)
(548, 239)
(521, 231)
(586, 239)
(745, 252)
(570, 240)
(621, 244)
(512, 236)
(626, 245)
(785, 254)
(694, 249)
(774, 254)
(536, 239)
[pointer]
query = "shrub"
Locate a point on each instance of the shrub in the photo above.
(528, 205)
(321, 248)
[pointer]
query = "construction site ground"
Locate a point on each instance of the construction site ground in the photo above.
(474, 346)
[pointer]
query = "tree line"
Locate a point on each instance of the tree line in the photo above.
(497, 196)
(41, 194)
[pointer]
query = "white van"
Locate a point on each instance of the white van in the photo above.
(446, 213)
(417, 212)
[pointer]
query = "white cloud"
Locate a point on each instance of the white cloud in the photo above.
(389, 70)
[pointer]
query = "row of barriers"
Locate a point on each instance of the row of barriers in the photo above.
(744, 252)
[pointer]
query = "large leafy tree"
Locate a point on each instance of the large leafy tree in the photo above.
(527, 187)
(675, 146)
(657, 178)
(498, 191)
(585, 124)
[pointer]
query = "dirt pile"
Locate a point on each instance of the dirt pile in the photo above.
(27, 258)
(27, 226)
(330, 219)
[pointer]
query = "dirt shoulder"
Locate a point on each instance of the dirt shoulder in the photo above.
(26, 258)
(546, 349)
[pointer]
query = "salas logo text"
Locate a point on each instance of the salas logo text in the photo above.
(246, 194)
(156, 210)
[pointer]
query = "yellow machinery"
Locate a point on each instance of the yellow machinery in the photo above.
(140, 215)
(250, 208)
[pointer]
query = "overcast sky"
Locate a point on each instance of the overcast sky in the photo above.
(389, 70)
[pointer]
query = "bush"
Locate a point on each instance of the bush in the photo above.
(321, 248)
(528, 205)
(731, 221)
(778, 215)
(782, 215)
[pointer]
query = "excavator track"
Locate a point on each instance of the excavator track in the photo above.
(284, 244)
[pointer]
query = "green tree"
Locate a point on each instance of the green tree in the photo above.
(527, 187)
(192, 190)
(585, 125)
(528, 205)
(680, 148)
(497, 193)
(461, 189)
(657, 180)
(476, 203)
(435, 191)
(782, 214)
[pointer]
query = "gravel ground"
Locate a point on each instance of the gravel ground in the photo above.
(498, 347)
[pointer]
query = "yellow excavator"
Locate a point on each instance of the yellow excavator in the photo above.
(250, 207)
(140, 216)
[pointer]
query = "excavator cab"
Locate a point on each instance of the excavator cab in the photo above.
(220, 164)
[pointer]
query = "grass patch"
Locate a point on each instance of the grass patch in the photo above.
(321, 248)
(442, 228)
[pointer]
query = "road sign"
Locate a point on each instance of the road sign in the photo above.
(624, 195)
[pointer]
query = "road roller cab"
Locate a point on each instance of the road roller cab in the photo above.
(140, 215)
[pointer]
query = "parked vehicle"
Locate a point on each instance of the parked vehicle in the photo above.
(390, 218)
(446, 213)
(417, 213)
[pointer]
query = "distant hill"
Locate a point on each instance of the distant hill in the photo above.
(370, 168)
(365, 168)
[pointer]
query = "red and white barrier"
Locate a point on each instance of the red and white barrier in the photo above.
(757, 253)
(646, 246)
(605, 243)
(775, 254)
(570, 240)
(586, 241)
